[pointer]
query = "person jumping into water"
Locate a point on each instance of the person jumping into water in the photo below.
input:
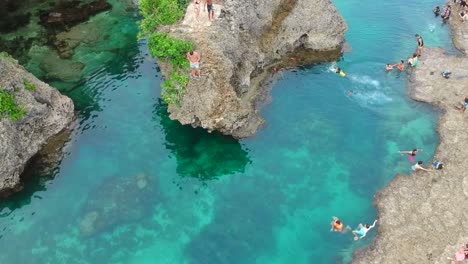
(338, 226)
(411, 153)
(361, 230)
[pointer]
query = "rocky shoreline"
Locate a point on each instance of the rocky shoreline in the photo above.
(242, 49)
(423, 217)
(47, 113)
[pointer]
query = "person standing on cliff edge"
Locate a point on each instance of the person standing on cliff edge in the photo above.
(194, 58)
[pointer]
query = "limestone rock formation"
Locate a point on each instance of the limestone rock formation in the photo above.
(423, 218)
(47, 113)
(242, 48)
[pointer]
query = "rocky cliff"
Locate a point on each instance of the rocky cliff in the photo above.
(242, 48)
(424, 216)
(47, 113)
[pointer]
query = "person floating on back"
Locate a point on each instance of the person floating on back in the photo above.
(338, 226)
(418, 166)
(340, 72)
(437, 11)
(420, 44)
(194, 58)
(411, 153)
(362, 230)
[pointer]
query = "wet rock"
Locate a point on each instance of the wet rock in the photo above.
(117, 200)
(423, 216)
(239, 50)
(47, 113)
(72, 13)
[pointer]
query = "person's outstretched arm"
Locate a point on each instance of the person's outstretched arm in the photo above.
(372, 226)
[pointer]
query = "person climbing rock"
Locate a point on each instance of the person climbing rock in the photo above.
(338, 226)
(362, 230)
(438, 165)
(194, 58)
(420, 44)
(418, 166)
(447, 12)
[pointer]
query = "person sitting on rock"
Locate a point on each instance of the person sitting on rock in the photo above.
(446, 74)
(361, 230)
(463, 16)
(459, 256)
(413, 61)
(447, 12)
(418, 166)
(462, 106)
(194, 58)
(437, 11)
(438, 165)
(338, 226)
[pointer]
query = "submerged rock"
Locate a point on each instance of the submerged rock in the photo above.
(47, 113)
(117, 200)
(245, 45)
(72, 13)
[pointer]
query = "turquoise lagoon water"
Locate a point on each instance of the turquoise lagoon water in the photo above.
(136, 187)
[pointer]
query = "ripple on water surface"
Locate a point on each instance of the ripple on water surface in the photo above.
(136, 187)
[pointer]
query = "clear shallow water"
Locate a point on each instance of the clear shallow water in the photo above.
(205, 198)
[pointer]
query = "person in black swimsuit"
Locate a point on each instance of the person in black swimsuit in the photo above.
(420, 44)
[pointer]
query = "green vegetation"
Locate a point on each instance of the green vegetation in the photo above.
(29, 86)
(4, 54)
(8, 106)
(164, 47)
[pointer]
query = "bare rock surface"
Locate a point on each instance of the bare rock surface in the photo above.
(47, 113)
(423, 217)
(242, 48)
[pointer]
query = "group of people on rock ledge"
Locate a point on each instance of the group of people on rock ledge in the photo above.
(447, 12)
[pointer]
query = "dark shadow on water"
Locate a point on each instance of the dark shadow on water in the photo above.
(198, 153)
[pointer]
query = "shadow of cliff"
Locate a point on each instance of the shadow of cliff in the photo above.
(200, 154)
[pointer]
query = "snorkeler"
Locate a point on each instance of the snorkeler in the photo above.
(361, 230)
(411, 153)
(340, 72)
(338, 226)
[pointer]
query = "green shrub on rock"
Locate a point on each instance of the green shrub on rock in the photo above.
(29, 86)
(8, 106)
(159, 12)
(163, 46)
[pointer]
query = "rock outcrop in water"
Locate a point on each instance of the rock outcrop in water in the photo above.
(245, 45)
(424, 216)
(47, 113)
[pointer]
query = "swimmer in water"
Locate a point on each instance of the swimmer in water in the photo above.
(411, 153)
(362, 230)
(400, 66)
(340, 72)
(388, 67)
(349, 93)
(338, 226)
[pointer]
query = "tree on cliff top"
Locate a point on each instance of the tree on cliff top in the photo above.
(160, 12)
